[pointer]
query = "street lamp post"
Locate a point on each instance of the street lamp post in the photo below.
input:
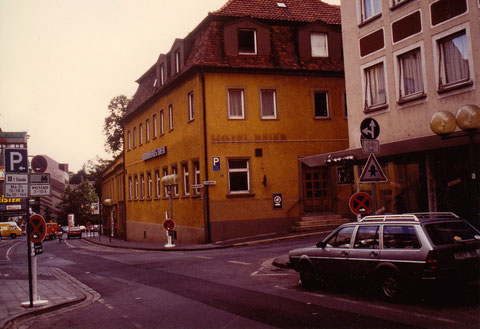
(467, 118)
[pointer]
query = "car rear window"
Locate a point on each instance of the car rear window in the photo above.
(450, 232)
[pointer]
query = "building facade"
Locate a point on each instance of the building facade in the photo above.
(406, 61)
(229, 110)
(113, 189)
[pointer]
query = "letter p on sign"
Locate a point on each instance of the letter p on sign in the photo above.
(16, 161)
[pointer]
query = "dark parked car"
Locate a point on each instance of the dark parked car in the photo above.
(393, 251)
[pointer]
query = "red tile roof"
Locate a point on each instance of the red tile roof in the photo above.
(294, 10)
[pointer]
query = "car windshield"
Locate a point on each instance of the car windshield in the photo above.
(450, 232)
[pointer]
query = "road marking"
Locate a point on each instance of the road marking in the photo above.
(239, 263)
(8, 251)
(109, 306)
(203, 257)
(69, 245)
(257, 273)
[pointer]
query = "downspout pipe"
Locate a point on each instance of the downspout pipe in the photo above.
(205, 147)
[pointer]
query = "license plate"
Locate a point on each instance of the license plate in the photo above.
(462, 255)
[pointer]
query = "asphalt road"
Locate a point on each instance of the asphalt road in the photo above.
(227, 288)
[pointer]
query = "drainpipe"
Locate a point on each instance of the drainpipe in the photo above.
(205, 147)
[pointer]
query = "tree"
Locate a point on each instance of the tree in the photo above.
(112, 127)
(78, 201)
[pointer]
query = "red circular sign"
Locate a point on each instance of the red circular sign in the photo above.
(39, 164)
(37, 228)
(169, 224)
(361, 203)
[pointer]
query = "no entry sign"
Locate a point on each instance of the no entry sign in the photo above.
(37, 228)
(361, 203)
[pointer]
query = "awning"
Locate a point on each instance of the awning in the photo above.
(419, 144)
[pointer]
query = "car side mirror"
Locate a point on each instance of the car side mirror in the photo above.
(321, 244)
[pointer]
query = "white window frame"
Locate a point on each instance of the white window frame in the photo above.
(197, 179)
(162, 122)
(177, 61)
(165, 189)
(175, 187)
(155, 126)
(157, 183)
(363, 13)
(254, 42)
(242, 100)
(162, 74)
(149, 185)
(129, 140)
(134, 135)
(135, 179)
(142, 186)
(274, 93)
(314, 50)
(191, 104)
(439, 76)
(186, 181)
(130, 188)
(170, 117)
(368, 106)
(140, 134)
(398, 70)
(147, 130)
(239, 170)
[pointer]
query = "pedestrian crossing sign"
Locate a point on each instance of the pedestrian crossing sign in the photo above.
(372, 172)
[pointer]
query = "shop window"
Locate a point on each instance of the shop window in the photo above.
(247, 41)
(238, 176)
(320, 104)
(236, 104)
(319, 44)
(269, 104)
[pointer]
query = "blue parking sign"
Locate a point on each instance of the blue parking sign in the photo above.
(216, 163)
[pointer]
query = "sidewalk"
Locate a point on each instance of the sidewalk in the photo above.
(54, 285)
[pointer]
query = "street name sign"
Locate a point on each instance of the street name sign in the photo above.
(40, 190)
(209, 182)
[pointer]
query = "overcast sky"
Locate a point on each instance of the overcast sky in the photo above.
(62, 61)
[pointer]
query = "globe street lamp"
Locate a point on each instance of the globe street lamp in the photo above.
(467, 118)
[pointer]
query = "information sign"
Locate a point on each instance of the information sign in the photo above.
(16, 190)
(16, 178)
(16, 160)
(40, 190)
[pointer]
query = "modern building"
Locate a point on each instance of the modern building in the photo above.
(229, 110)
(406, 61)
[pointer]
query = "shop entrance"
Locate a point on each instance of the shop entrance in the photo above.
(315, 189)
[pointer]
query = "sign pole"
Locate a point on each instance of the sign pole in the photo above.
(29, 251)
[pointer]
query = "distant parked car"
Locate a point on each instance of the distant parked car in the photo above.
(10, 229)
(74, 231)
(394, 251)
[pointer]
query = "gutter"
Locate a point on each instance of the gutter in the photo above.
(205, 146)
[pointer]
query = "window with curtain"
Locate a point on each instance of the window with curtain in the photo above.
(236, 104)
(411, 77)
(319, 43)
(269, 106)
(370, 8)
(375, 94)
(454, 61)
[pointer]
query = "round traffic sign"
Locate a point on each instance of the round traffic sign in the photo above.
(369, 128)
(361, 203)
(37, 228)
(169, 224)
(39, 164)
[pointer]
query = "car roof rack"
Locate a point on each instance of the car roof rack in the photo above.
(415, 217)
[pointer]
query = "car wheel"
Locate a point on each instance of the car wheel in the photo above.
(13, 236)
(390, 286)
(307, 275)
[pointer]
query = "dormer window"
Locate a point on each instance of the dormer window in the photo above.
(162, 74)
(319, 43)
(247, 42)
(177, 61)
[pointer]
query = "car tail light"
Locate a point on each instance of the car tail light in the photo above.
(432, 261)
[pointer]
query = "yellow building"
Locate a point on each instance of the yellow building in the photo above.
(235, 104)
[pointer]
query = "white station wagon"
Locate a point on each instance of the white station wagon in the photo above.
(393, 250)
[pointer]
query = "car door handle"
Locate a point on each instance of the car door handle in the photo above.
(344, 253)
(373, 254)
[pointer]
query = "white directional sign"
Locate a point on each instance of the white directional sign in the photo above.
(40, 190)
(16, 190)
(16, 160)
(16, 179)
(369, 128)
(372, 172)
(209, 182)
